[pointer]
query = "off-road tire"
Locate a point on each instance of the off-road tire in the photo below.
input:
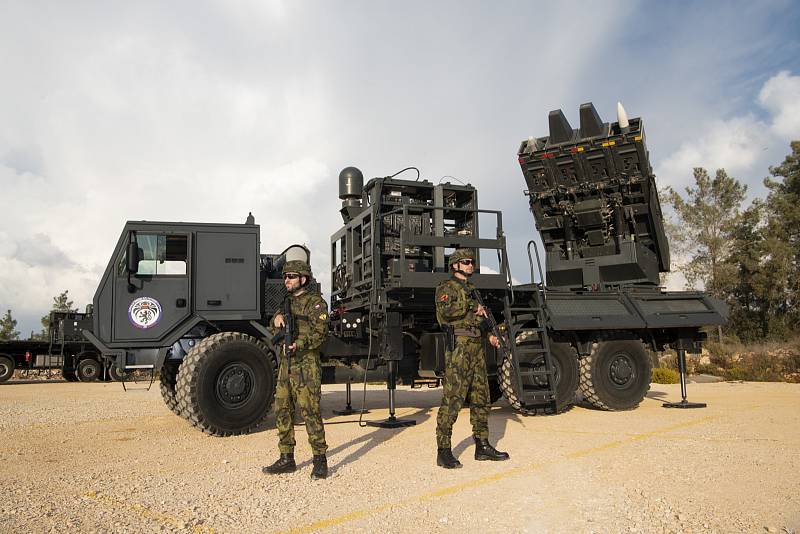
(114, 374)
(6, 368)
(226, 384)
(565, 360)
(89, 370)
(168, 379)
(616, 375)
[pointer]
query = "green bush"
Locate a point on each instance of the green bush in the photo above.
(662, 375)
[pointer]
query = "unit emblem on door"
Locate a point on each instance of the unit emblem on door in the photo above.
(144, 312)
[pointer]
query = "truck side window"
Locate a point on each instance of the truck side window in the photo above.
(175, 255)
(160, 254)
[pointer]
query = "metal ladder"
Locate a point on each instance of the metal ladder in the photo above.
(536, 386)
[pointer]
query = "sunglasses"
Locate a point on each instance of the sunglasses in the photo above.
(467, 262)
(291, 276)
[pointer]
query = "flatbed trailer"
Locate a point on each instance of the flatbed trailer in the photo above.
(64, 350)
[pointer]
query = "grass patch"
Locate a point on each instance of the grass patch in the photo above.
(664, 375)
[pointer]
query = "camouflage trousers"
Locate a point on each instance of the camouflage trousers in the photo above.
(300, 385)
(465, 374)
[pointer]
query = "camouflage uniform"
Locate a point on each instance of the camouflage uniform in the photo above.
(300, 380)
(465, 365)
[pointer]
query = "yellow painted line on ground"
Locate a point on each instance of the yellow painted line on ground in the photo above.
(145, 512)
(488, 479)
(358, 514)
(639, 437)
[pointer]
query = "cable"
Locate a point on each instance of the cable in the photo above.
(404, 170)
(453, 177)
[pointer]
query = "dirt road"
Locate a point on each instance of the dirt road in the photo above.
(90, 457)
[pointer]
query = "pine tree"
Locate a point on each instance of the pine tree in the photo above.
(748, 318)
(707, 218)
(7, 326)
(783, 243)
(61, 303)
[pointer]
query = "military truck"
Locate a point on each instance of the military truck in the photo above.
(193, 300)
(63, 349)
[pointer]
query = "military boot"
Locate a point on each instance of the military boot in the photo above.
(446, 459)
(285, 464)
(484, 451)
(320, 467)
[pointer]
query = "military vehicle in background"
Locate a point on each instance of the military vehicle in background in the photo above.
(64, 349)
(193, 301)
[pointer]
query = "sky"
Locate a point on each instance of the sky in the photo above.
(204, 111)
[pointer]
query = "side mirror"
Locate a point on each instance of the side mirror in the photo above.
(133, 257)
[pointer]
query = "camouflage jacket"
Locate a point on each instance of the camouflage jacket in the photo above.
(455, 305)
(310, 313)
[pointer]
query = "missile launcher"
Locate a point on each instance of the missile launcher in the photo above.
(594, 199)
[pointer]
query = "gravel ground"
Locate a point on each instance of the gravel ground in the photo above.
(92, 458)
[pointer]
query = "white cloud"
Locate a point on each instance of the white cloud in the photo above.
(734, 144)
(781, 96)
(744, 145)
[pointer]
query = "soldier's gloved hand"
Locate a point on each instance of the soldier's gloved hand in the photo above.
(494, 341)
(278, 321)
(481, 311)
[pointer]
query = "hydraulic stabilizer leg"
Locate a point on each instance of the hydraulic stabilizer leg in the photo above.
(392, 421)
(348, 410)
(681, 350)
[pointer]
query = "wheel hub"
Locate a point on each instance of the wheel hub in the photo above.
(539, 366)
(621, 370)
(235, 384)
(90, 370)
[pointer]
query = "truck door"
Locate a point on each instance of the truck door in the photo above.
(157, 298)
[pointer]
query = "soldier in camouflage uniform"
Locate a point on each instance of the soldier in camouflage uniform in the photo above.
(300, 373)
(465, 365)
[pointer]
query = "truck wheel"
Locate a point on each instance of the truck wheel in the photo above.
(226, 384)
(565, 362)
(114, 374)
(88, 370)
(616, 375)
(168, 379)
(6, 368)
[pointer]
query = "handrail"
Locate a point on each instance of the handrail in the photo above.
(539, 265)
(404, 209)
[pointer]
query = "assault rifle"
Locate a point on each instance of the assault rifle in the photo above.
(493, 326)
(287, 333)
